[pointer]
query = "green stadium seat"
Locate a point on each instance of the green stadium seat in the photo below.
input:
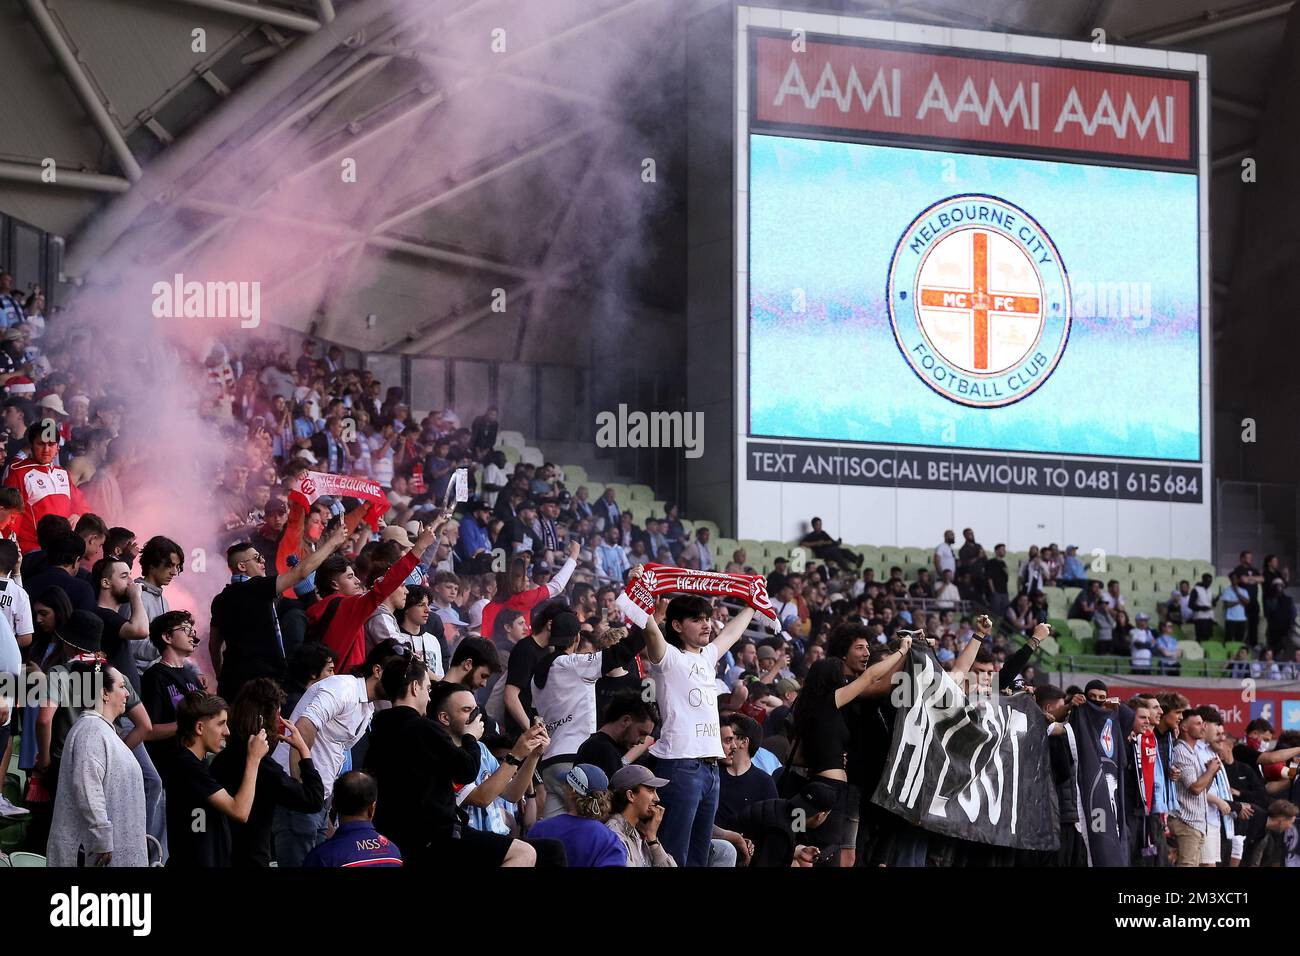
(1070, 645)
(1081, 629)
(1231, 648)
(641, 492)
(21, 858)
(1060, 627)
(1192, 650)
(1215, 651)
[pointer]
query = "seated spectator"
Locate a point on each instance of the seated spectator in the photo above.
(922, 588)
(1103, 622)
(1112, 596)
(1085, 602)
(830, 549)
(635, 814)
(1121, 634)
(775, 826)
(581, 827)
(698, 556)
(741, 782)
(1240, 664)
(1073, 573)
(623, 735)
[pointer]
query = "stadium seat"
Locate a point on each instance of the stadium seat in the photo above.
(1231, 648)
(22, 858)
(1057, 606)
(574, 475)
(1050, 647)
(776, 549)
(1061, 628)
(1192, 650)
(658, 507)
(507, 439)
(1069, 644)
(641, 492)
(1221, 582)
(713, 528)
(1215, 651)
(621, 495)
(512, 455)
(1080, 629)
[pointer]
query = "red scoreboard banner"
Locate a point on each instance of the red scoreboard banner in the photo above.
(938, 96)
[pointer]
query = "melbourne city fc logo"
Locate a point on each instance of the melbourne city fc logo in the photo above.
(979, 300)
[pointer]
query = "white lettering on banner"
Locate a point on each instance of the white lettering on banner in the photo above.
(1072, 111)
(936, 699)
(968, 101)
(886, 90)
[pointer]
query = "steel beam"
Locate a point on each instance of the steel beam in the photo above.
(76, 76)
(259, 12)
(1212, 22)
(67, 179)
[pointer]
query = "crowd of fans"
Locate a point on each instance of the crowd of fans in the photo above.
(459, 684)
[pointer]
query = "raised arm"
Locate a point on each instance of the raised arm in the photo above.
(298, 573)
(859, 685)
(734, 630)
(557, 584)
(983, 627)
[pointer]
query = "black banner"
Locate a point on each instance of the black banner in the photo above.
(1101, 750)
(974, 768)
(903, 468)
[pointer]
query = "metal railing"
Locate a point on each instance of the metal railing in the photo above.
(1116, 664)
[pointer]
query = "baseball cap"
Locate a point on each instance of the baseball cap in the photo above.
(767, 653)
(785, 686)
(780, 560)
(635, 775)
(449, 616)
(478, 504)
(585, 779)
(396, 533)
(564, 628)
(817, 798)
(1142, 616)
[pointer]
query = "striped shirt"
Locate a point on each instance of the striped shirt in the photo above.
(1191, 807)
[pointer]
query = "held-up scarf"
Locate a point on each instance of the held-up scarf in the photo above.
(315, 484)
(638, 599)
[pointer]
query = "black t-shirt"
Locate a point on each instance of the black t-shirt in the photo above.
(244, 615)
(251, 842)
(735, 793)
(116, 648)
(1251, 589)
(161, 690)
(825, 745)
(189, 783)
(995, 572)
(1246, 778)
(519, 673)
(601, 751)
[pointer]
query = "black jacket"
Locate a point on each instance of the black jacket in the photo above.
(417, 764)
(250, 843)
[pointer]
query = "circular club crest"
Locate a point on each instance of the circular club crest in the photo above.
(979, 300)
(308, 487)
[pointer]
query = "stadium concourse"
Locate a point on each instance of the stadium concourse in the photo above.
(384, 685)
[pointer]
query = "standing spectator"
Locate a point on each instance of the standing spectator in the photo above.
(1248, 576)
(1188, 820)
(166, 682)
(194, 796)
(483, 432)
(356, 842)
(947, 596)
(636, 815)
(44, 485)
(257, 710)
(1179, 606)
(1235, 600)
(945, 558)
(611, 559)
(1141, 641)
(245, 633)
(1281, 617)
(1203, 602)
(605, 512)
(971, 558)
(160, 561)
(331, 717)
(59, 570)
(995, 581)
(99, 810)
(689, 746)
(112, 579)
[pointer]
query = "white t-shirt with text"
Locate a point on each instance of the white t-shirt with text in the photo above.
(686, 692)
(567, 704)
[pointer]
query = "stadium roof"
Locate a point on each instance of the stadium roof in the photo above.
(115, 93)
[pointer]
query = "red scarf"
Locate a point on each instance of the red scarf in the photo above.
(315, 484)
(642, 593)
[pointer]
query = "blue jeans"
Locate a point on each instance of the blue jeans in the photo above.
(297, 834)
(690, 803)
